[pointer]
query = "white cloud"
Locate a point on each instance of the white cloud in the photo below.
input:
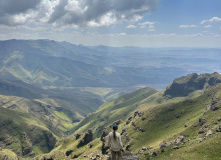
(208, 26)
(122, 34)
(148, 24)
(214, 19)
(78, 13)
(187, 26)
(131, 26)
(151, 30)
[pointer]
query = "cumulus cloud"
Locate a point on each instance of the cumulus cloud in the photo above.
(208, 26)
(100, 12)
(187, 26)
(131, 26)
(17, 12)
(74, 12)
(214, 19)
(149, 25)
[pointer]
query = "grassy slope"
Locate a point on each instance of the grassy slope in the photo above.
(31, 127)
(208, 149)
(112, 111)
(24, 134)
(163, 119)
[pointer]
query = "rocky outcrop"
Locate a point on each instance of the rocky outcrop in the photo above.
(184, 85)
(136, 127)
(88, 137)
(127, 156)
(176, 142)
(104, 148)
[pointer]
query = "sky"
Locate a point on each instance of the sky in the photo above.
(140, 23)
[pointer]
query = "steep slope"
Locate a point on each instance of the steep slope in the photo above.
(157, 125)
(184, 85)
(21, 89)
(25, 135)
(117, 109)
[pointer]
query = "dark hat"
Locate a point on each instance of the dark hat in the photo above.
(115, 127)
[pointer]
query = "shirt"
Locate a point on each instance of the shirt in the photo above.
(115, 144)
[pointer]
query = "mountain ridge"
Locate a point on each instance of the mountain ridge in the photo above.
(167, 125)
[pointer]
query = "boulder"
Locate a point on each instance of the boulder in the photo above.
(218, 128)
(179, 139)
(209, 133)
(88, 137)
(164, 144)
(77, 136)
(68, 152)
(127, 156)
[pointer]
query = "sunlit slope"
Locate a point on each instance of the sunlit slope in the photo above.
(117, 109)
(30, 127)
(24, 135)
(198, 121)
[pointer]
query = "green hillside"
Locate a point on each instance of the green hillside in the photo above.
(153, 124)
(117, 109)
(156, 125)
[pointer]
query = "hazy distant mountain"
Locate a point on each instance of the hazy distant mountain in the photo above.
(51, 63)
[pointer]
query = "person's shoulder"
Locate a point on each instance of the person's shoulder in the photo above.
(110, 133)
(118, 134)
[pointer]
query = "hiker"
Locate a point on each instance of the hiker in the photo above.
(115, 143)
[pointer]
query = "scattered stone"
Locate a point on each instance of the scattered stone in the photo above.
(200, 140)
(98, 156)
(91, 145)
(218, 128)
(164, 144)
(143, 118)
(219, 119)
(129, 120)
(179, 139)
(149, 147)
(186, 125)
(143, 148)
(136, 127)
(208, 107)
(137, 114)
(68, 152)
(127, 156)
(128, 147)
(118, 122)
(154, 153)
(202, 121)
(178, 115)
(215, 108)
(75, 156)
(123, 131)
(176, 147)
(201, 131)
(50, 158)
(77, 136)
(209, 133)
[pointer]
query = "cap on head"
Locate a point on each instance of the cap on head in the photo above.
(115, 127)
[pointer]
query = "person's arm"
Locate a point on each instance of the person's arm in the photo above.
(108, 144)
(121, 144)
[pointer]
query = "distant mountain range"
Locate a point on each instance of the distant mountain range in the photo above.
(51, 63)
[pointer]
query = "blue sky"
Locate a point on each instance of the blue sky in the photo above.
(142, 23)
